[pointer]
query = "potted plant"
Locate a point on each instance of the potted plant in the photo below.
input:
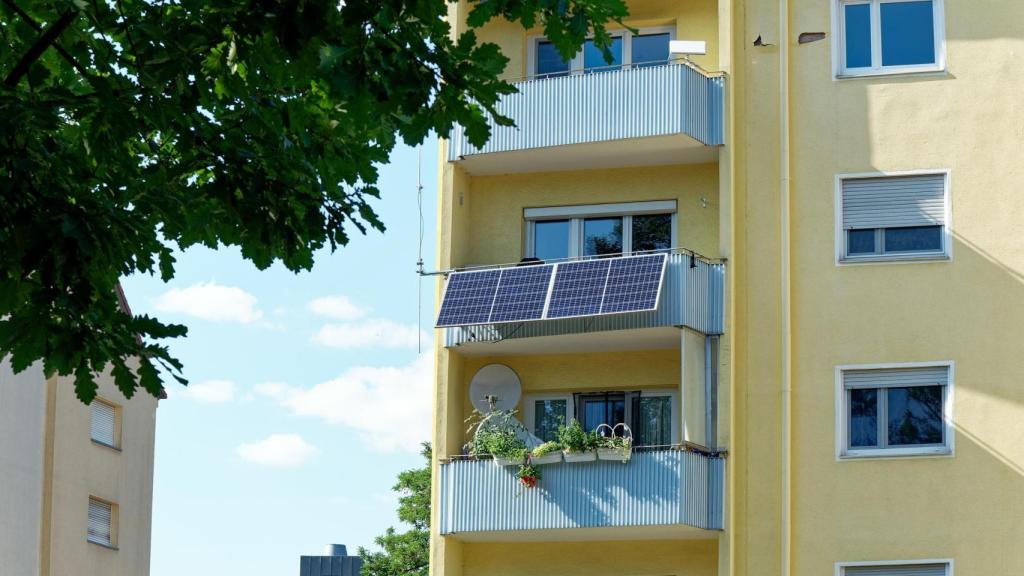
(528, 474)
(577, 444)
(546, 453)
(499, 435)
(615, 445)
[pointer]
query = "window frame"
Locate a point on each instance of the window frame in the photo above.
(117, 409)
(577, 214)
(114, 511)
(842, 416)
(840, 567)
(576, 63)
(529, 400)
(944, 255)
(839, 69)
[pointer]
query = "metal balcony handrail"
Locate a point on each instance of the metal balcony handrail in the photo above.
(677, 61)
(678, 447)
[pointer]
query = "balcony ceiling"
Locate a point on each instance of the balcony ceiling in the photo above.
(652, 151)
(662, 338)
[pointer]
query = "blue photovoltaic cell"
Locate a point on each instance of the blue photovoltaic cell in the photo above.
(521, 293)
(468, 298)
(578, 289)
(633, 284)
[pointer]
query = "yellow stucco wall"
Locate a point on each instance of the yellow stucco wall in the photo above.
(647, 558)
(494, 205)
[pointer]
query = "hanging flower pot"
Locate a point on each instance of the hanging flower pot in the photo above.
(528, 475)
(616, 446)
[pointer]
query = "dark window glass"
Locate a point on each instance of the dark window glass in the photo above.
(913, 239)
(549, 61)
(652, 232)
(593, 58)
(908, 33)
(860, 241)
(650, 49)
(915, 415)
(551, 239)
(548, 414)
(863, 417)
(655, 421)
(857, 18)
(607, 409)
(602, 236)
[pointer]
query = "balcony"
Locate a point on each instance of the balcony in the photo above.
(692, 296)
(671, 114)
(669, 493)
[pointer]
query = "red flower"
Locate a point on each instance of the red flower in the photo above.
(529, 481)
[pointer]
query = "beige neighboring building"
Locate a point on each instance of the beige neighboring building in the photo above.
(76, 481)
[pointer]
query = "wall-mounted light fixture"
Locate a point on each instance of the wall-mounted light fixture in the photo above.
(687, 48)
(808, 37)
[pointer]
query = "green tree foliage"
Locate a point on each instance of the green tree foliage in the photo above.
(406, 553)
(133, 128)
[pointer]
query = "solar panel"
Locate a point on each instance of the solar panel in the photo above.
(468, 298)
(521, 293)
(633, 284)
(578, 289)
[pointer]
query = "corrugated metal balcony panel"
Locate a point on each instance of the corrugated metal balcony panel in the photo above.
(614, 105)
(654, 489)
(691, 297)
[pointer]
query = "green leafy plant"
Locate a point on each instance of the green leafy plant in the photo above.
(615, 442)
(133, 130)
(497, 433)
(546, 448)
(574, 438)
(529, 475)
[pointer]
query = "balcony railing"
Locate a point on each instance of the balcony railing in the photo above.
(693, 296)
(655, 488)
(660, 100)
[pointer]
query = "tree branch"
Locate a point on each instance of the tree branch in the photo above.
(35, 26)
(45, 40)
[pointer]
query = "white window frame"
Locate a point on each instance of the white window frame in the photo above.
(843, 452)
(840, 567)
(577, 214)
(576, 63)
(946, 255)
(116, 408)
(529, 420)
(839, 68)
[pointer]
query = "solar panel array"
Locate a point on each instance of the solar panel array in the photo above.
(552, 291)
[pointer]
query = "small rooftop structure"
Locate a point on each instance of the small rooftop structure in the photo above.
(334, 562)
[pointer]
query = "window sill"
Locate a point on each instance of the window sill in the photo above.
(894, 259)
(107, 446)
(897, 453)
(914, 72)
(103, 545)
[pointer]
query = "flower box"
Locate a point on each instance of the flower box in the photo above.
(549, 458)
(588, 456)
(502, 461)
(619, 454)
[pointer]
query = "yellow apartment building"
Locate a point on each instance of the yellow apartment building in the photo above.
(777, 238)
(76, 496)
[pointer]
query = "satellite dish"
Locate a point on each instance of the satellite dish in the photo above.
(494, 387)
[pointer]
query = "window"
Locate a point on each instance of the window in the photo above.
(900, 568)
(899, 217)
(888, 36)
(600, 230)
(895, 411)
(105, 426)
(650, 414)
(102, 522)
(648, 47)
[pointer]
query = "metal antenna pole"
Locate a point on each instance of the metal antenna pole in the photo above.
(419, 261)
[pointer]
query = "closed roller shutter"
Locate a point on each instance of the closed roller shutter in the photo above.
(897, 570)
(897, 377)
(894, 202)
(103, 426)
(100, 520)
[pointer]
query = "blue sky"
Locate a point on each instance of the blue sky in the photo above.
(308, 394)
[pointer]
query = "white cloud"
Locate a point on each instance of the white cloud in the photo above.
(210, 391)
(390, 407)
(278, 451)
(211, 301)
(336, 308)
(374, 333)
